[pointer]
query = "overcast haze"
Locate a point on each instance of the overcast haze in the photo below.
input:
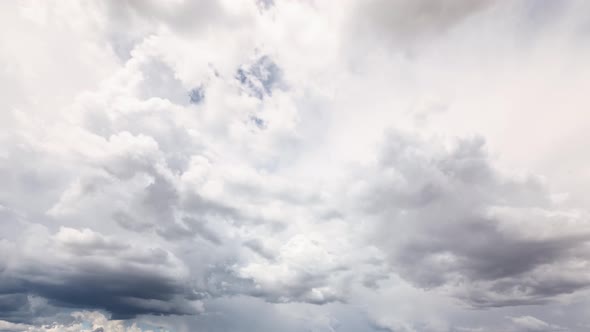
(283, 165)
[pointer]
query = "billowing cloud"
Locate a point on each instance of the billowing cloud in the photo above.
(446, 217)
(85, 269)
(294, 165)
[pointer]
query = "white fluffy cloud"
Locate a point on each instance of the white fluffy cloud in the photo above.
(319, 165)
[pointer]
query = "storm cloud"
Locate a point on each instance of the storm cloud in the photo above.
(407, 166)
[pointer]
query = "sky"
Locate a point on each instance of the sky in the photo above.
(294, 165)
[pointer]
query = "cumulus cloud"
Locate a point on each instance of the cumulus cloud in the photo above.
(446, 217)
(293, 165)
(84, 269)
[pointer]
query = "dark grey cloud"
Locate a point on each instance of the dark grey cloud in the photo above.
(15, 308)
(83, 269)
(448, 218)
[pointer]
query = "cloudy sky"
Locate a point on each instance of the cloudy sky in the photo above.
(295, 165)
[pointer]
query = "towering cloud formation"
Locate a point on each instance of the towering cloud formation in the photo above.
(410, 166)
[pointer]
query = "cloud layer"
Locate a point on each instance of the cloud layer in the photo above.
(410, 166)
